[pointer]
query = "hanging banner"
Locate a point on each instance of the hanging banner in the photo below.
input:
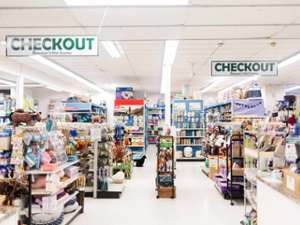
(244, 68)
(51, 45)
(253, 107)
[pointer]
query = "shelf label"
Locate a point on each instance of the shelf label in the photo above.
(244, 68)
(20, 45)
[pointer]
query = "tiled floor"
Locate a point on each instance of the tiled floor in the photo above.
(197, 201)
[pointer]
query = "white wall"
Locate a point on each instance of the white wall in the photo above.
(44, 95)
(271, 94)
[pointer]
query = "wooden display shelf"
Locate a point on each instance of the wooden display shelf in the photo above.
(166, 192)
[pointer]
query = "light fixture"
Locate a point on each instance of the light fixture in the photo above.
(124, 2)
(7, 82)
(168, 60)
(65, 71)
(213, 84)
(29, 77)
(170, 52)
(3, 43)
(25, 85)
(53, 88)
(241, 83)
(289, 60)
(112, 49)
(119, 47)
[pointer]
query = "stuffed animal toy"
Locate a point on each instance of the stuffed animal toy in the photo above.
(19, 116)
(12, 189)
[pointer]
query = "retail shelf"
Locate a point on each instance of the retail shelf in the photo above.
(178, 145)
(251, 199)
(190, 128)
(136, 133)
(135, 146)
(59, 168)
(190, 159)
(114, 191)
(190, 136)
(251, 152)
(68, 218)
(250, 175)
(55, 191)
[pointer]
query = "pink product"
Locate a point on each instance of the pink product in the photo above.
(46, 158)
(72, 171)
(49, 167)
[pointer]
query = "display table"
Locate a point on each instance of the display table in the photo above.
(275, 204)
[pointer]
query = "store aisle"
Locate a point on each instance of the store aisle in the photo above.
(197, 201)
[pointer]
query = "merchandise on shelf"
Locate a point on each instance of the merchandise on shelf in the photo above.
(124, 93)
(264, 151)
(75, 109)
(165, 185)
(7, 106)
(130, 113)
(187, 117)
(155, 117)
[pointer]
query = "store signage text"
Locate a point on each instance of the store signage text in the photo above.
(244, 68)
(52, 45)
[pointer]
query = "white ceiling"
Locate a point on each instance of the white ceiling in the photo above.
(246, 29)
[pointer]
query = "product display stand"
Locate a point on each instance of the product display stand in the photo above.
(235, 176)
(55, 180)
(165, 185)
(104, 164)
(187, 117)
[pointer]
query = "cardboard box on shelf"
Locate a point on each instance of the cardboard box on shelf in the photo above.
(291, 182)
(237, 150)
(213, 166)
(212, 172)
(238, 172)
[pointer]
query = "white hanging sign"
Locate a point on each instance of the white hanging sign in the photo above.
(20, 45)
(244, 68)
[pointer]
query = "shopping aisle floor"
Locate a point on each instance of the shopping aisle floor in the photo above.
(197, 201)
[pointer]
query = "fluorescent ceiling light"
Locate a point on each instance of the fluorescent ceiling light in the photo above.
(169, 57)
(54, 88)
(289, 61)
(212, 85)
(124, 2)
(7, 82)
(170, 52)
(65, 71)
(25, 85)
(114, 49)
(241, 83)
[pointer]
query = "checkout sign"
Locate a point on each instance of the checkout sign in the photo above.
(51, 45)
(244, 68)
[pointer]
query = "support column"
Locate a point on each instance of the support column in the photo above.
(20, 92)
